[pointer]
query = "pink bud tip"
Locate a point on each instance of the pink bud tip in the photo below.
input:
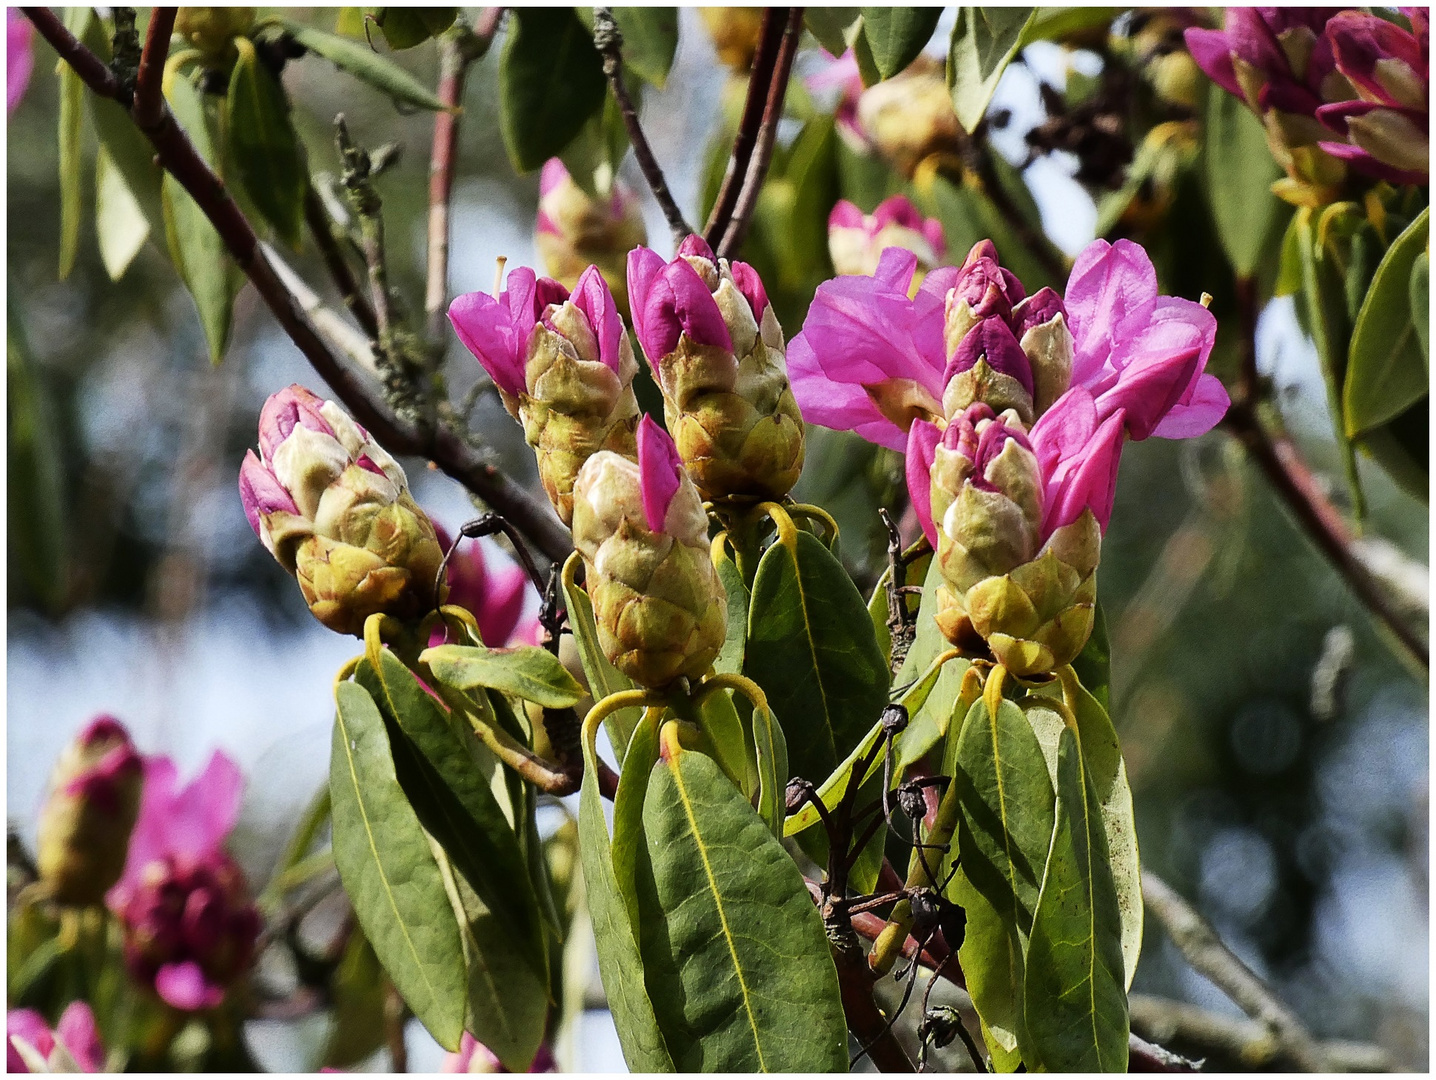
(660, 472)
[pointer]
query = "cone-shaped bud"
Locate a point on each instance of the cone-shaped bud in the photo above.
(563, 366)
(856, 240)
(575, 231)
(87, 818)
(212, 29)
(717, 353)
(988, 366)
(984, 289)
(334, 508)
(1040, 325)
(640, 526)
(910, 117)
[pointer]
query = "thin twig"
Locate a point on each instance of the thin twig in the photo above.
(445, 447)
(458, 48)
(331, 250)
(149, 84)
(746, 137)
(762, 157)
(1209, 956)
(609, 42)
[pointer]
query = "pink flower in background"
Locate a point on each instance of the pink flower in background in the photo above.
(189, 922)
(475, 1057)
(493, 590)
(856, 240)
(73, 1045)
(842, 73)
(19, 57)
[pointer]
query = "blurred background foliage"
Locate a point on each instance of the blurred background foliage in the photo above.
(1276, 740)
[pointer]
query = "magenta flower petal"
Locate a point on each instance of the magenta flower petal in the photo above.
(487, 329)
(751, 286)
(30, 1026)
(81, 1036)
(1078, 458)
(845, 215)
(285, 410)
(922, 440)
(506, 589)
(677, 302)
(593, 298)
(1368, 50)
(260, 492)
(644, 267)
(1158, 363)
(1368, 165)
(184, 986)
(1209, 49)
(1109, 284)
(660, 472)
(206, 810)
(553, 174)
(694, 245)
(1209, 403)
(19, 57)
(991, 339)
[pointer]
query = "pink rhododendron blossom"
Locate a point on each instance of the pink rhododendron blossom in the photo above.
(841, 73)
(670, 300)
(1078, 454)
(493, 588)
(73, 1045)
(189, 922)
(1274, 58)
(19, 57)
(497, 329)
(660, 472)
(856, 240)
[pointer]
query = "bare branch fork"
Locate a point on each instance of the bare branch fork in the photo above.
(609, 42)
(175, 153)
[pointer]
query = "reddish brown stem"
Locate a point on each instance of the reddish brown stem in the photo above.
(149, 95)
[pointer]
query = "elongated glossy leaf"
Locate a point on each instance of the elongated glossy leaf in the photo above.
(405, 27)
(650, 39)
(812, 649)
(72, 93)
(359, 60)
(772, 754)
(730, 658)
(1057, 22)
(35, 495)
(1239, 174)
(737, 964)
(984, 41)
(832, 26)
(930, 716)
(525, 671)
(1075, 1009)
(603, 677)
(264, 145)
(609, 897)
(550, 82)
(357, 989)
(991, 959)
(1386, 369)
(451, 796)
(896, 35)
(389, 872)
(878, 613)
(724, 728)
(1094, 664)
(120, 224)
(196, 248)
(1421, 304)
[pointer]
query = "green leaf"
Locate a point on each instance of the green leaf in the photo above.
(1075, 1008)
(1386, 370)
(1239, 172)
(603, 677)
(1288, 275)
(730, 657)
(450, 794)
(812, 649)
(593, 157)
(1421, 304)
(1055, 23)
(198, 252)
(772, 752)
(991, 959)
(389, 872)
(359, 60)
(72, 94)
(609, 885)
(550, 82)
(120, 224)
(1094, 664)
(984, 41)
(831, 26)
(897, 35)
(406, 27)
(525, 671)
(878, 613)
(650, 39)
(264, 145)
(930, 715)
(357, 992)
(863, 54)
(737, 963)
(720, 721)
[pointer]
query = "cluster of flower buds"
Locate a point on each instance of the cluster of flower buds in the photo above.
(856, 240)
(717, 352)
(563, 367)
(575, 231)
(1312, 72)
(1013, 411)
(643, 534)
(72, 1046)
(189, 923)
(87, 818)
(334, 508)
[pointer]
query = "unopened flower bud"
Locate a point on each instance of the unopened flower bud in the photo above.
(910, 117)
(335, 510)
(984, 290)
(717, 352)
(989, 366)
(640, 526)
(89, 814)
(563, 366)
(856, 240)
(575, 231)
(212, 29)
(1040, 325)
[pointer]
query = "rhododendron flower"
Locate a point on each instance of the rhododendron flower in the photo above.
(19, 57)
(575, 231)
(493, 589)
(1387, 130)
(856, 240)
(563, 367)
(842, 73)
(474, 1057)
(73, 1046)
(717, 352)
(189, 922)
